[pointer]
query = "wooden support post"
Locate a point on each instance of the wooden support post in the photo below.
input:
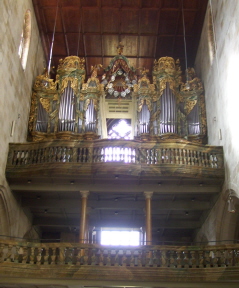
(84, 196)
(148, 195)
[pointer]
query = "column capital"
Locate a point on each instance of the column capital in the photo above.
(84, 194)
(148, 194)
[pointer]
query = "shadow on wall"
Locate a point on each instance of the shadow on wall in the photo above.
(4, 219)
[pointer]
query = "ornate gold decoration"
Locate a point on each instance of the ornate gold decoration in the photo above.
(166, 70)
(189, 105)
(45, 102)
(71, 63)
(202, 107)
(190, 91)
(32, 115)
(74, 83)
(44, 83)
(120, 48)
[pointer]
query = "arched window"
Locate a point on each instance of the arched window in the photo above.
(211, 36)
(25, 39)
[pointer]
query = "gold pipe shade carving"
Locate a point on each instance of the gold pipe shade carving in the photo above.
(70, 107)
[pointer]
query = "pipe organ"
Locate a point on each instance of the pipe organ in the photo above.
(72, 108)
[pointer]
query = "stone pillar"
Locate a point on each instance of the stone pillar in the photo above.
(148, 223)
(83, 220)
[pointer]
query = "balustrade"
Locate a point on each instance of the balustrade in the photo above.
(102, 151)
(142, 256)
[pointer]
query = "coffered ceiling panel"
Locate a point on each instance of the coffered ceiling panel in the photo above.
(148, 21)
(110, 20)
(93, 28)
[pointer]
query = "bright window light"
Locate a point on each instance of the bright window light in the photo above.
(124, 238)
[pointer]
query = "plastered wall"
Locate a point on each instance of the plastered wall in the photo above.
(220, 78)
(15, 93)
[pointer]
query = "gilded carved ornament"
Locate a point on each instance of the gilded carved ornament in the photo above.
(74, 83)
(43, 82)
(32, 115)
(45, 102)
(167, 66)
(71, 63)
(95, 102)
(141, 103)
(191, 90)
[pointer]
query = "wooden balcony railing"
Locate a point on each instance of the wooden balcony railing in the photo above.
(183, 155)
(141, 256)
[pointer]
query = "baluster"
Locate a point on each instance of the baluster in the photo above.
(47, 257)
(176, 151)
(207, 258)
(124, 258)
(184, 157)
(112, 257)
(230, 258)
(159, 156)
(172, 260)
(164, 258)
(192, 260)
(207, 164)
(180, 156)
(139, 258)
(78, 256)
(14, 158)
(193, 158)
(31, 255)
(5, 253)
(137, 156)
(67, 154)
(178, 261)
(20, 254)
(188, 157)
(52, 256)
(186, 259)
(85, 256)
(215, 160)
(199, 155)
(117, 258)
(101, 257)
(34, 157)
(61, 255)
(40, 255)
(45, 154)
(163, 155)
(236, 258)
(89, 158)
(158, 258)
(93, 261)
(13, 253)
(150, 258)
(201, 260)
(108, 257)
(135, 258)
(72, 154)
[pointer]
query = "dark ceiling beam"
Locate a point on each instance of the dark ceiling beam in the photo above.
(117, 205)
(170, 224)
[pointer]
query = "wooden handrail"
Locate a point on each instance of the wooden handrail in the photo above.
(123, 151)
(141, 256)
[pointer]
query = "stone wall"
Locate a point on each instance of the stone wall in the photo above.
(219, 76)
(16, 85)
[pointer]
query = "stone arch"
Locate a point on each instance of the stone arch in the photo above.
(229, 221)
(4, 218)
(25, 39)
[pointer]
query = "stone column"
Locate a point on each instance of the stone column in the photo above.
(148, 223)
(83, 220)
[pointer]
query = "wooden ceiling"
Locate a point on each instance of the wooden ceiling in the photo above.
(148, 29)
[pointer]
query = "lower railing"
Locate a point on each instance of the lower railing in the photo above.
(142, 256)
